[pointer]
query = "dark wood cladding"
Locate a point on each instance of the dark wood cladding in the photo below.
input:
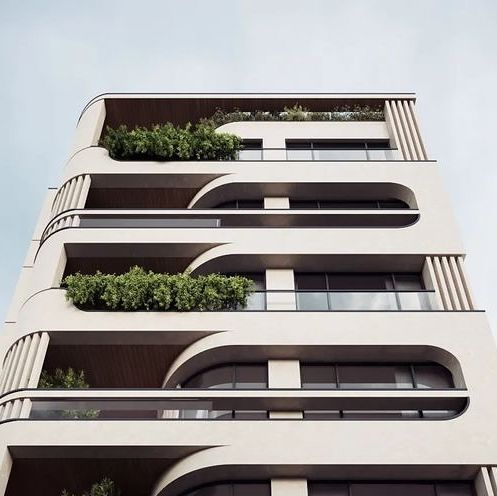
(148, 111)
(48, 477)
(131, 198)
(120, 265)
(115, 366)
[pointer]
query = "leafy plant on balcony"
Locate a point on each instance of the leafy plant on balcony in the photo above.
(170, 142)
(138, 289)
(299, 113)
(68, 379)
(106, 487)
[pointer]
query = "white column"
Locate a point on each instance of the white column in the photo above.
(284, 374)
(288, 487)
(276, 202)
(5, 468)
(277, 280)
(39, 359)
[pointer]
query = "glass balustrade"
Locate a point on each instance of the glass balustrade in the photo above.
(319, 154)
(328, 301)
(197, 409)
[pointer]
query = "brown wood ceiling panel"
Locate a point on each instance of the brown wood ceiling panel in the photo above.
(116, 366)
(140, 197)
(48, 477)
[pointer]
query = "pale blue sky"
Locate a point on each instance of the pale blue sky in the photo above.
(56, 55)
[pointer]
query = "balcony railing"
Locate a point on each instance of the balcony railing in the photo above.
(225, 218)
(346, 300)
(229, 404)
(320, 154)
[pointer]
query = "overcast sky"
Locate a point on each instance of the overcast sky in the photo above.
(56, 55)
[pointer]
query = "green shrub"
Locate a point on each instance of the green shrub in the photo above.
(138, 289)
(69, 379)
(170, 142)
(299, 113)
(106, 487)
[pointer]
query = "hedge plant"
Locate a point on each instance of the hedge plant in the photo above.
(106, 487)
(170, 142)
(68, 379)
(299, 113)
(138, 289)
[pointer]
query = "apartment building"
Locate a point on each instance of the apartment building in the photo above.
(358, 364)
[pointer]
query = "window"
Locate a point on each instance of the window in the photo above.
(375, 376)
(239, 488)
(338, 150)
(251, 150)
(360, 281)
(358, 291)
(348, 204)
(242, 204)
(233, 376)
(410, 488)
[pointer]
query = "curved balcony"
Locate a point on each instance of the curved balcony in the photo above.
(191, 219)
(219, 404)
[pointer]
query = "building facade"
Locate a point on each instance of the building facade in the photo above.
(360, 364)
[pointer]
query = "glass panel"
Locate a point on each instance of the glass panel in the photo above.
(218, 378)
(220, 414)
(228, 204)
(408, 282)
(339, 145)
(434, 414)
(303, 204)
(259, 204)
(312, 301)
(375, 376)
(383, 301)
(255, 301)
(433, 376)
(251, 489)
(337, 154)
(455, 489)
(359, 281)
(378, 154)
(321, 414)
(327, 489)
(298, 145)
(378, 145)
(349, 204)
(416, 301)
(213, 490)
(195, 414)
(250, 377)
(310, 281)
(393, 204)
(250, 414)
(380, 414)
(318, 377)
(392, 489)
(249, 154)
(295, 154)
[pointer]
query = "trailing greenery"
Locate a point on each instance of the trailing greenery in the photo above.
(106, 487)
(68, 379)
(138, 289)
(298, 113)
(170, 142)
